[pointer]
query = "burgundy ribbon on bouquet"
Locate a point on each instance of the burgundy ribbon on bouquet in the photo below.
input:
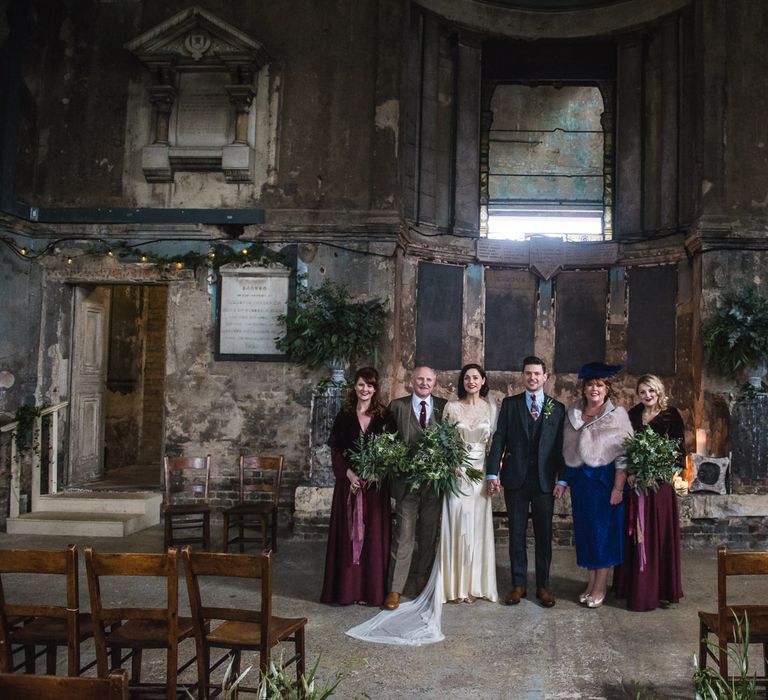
(356, 521)
(639, 519)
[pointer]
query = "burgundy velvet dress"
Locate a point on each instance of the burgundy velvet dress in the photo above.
(348, 582)
(661, 577)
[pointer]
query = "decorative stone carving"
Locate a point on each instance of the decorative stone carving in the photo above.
(204, 77)
(709, 474)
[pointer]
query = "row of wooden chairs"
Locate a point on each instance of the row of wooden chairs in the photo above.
(187, 513)
(118, 628)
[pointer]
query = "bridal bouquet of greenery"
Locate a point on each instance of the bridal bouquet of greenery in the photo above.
(438, 456)
(378, 456)
(652, 458)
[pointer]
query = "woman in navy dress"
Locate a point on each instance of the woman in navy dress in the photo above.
(593, 437)
(358, 538)
(651, 575)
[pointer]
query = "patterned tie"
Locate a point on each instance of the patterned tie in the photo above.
(534, 407)
(423, 415)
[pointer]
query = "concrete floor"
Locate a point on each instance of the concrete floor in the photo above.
(490, 651)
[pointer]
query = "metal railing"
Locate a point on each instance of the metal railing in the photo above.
(50, 414)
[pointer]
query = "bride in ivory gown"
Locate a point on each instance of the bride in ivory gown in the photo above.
(465, 565)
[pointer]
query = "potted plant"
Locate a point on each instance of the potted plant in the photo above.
(325, 326)
(736, 337)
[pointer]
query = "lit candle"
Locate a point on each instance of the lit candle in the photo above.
(701, 441)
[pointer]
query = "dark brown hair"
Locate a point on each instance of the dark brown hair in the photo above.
(462, 392)
(370, 376)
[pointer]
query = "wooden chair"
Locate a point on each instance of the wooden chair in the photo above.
(722, 623)
(186, 500)
(27, 626)
(15, 687)
(242, 629)
(137, 628)
(252, 514)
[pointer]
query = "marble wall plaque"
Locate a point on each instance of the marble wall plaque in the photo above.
(202, 114)
(250, 301)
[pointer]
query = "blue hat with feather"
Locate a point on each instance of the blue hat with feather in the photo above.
(599, 370)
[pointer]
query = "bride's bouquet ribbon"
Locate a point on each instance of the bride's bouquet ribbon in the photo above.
(637, 526)
(356, 521)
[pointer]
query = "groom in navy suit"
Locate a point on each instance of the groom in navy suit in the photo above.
(528, 446)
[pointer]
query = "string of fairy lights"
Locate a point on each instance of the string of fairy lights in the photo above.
(218, 253)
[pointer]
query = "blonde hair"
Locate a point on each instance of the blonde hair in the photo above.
(657, 385)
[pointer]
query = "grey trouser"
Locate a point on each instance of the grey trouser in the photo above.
(417, 518)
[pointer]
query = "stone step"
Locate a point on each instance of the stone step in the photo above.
(80, 524)
(117, 502)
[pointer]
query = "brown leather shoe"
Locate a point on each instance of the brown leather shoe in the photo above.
(392, 601)
(515, 595)
(545, 597)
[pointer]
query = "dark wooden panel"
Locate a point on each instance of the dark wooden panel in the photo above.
(580, 310)
(510, 318)
(467, 194)
(652, 320)
(438, 315)
(629, 111)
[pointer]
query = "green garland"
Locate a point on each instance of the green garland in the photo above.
(25, 416)
(652, 459)
(218, 256)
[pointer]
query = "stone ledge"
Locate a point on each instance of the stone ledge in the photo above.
(717, 507)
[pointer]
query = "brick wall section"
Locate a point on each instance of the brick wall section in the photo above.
(696, 533)
(151, 448)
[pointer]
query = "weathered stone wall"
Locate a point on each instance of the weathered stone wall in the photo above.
(338, 108)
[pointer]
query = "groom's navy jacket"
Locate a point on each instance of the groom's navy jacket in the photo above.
(519, 441)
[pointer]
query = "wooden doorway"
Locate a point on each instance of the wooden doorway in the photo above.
(124, 426)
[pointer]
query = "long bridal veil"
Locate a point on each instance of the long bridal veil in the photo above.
(414, 623)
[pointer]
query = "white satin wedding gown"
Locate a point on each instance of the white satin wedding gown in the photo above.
(465, 564)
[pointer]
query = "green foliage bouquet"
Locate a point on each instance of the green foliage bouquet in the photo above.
(438, 456)
(378, 456)
(652, 459)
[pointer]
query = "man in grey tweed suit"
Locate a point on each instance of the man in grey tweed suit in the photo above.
(417, 513)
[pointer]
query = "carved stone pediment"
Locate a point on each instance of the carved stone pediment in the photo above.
(193, 39)
(203, 83)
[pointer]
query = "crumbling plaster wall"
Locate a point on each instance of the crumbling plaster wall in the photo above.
(225, 408)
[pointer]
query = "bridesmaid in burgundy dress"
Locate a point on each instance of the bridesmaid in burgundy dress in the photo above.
(657, 581)
(358, 538)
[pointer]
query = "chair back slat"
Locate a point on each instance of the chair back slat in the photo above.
(261, 475)
(34, 561)
(131, 564)
(235, 565)
(29, 687)
(746, 563)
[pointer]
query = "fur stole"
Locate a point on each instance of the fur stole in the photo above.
(599, 442)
